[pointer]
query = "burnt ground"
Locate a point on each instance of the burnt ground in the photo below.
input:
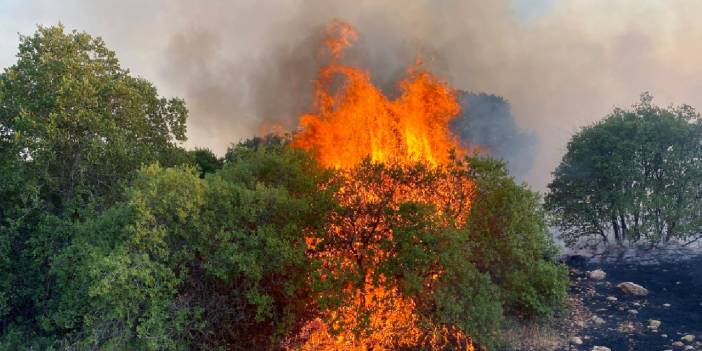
(625, 326)
(671, 279)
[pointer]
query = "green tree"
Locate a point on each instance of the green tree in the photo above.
(189, 263)
(206, 161)
(74, 127)
(508, 239)
(636, 175)
(81, 121)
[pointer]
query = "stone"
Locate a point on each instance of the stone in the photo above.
(654, 323)
(666, 305)
(632, 288)
(689, 347)
(576, 340)
(678, 344)
(601, 348)
(688, 338)
(597, 274)
(611, 298)
(626, 327)
(633, 312)
(597, 320)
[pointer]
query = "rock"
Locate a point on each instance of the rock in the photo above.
(664, 335)
(688, 338)
(632, 288)
(666, 305)
(678, 344)
(633, 312)
(597, 320)
(601, 348)
(575, 340)
(626, 327)
(597, 274)
(611, 298)
(689, 347)
(654, 323)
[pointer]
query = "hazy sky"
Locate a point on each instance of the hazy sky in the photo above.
(562, 64)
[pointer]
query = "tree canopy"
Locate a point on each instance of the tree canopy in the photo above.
(74, 128)
(114, 237)
(634, 176)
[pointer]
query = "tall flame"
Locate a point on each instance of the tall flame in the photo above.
(357, 121)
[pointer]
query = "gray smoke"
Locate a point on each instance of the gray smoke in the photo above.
(487, 121)
(241, 63)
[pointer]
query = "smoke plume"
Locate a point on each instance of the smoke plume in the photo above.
(241, 63)
(487, 121)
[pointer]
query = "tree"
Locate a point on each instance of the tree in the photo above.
(508, 240)
(407, 259)
(189, 263)
(74, 127)
(636, 175)
(79, 119)
(206, 161)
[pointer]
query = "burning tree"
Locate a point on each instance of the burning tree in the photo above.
(401, 191)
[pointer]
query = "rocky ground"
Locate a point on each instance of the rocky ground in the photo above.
(628, 301)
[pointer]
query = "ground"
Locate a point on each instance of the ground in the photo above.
(600, 314)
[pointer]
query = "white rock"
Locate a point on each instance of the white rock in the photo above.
(598, 320)
(601, 348)
(666, 305)
(678, 344)
(597, 274)
(654, 323)
(611, 298)
(633, 312)
(576, 340)
(689, 347)
(688, 338)
(633, 288)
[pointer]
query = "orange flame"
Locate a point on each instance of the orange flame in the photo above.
(358, 121)
(353, 122)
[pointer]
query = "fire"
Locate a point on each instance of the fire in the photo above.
(358, 121)
(368, 137)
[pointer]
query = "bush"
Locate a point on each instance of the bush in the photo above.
(508, 240)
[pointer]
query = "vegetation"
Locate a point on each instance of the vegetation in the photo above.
(634, 176)
(114, 237)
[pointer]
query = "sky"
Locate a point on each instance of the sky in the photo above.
(562, 64)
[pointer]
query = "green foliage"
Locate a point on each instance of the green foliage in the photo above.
(74, 127)
(508, 240)
(633, 176)
(206, 161)
(183, 257)
(81, 122)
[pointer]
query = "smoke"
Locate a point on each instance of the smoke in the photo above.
(487, 120)
(239, 64)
